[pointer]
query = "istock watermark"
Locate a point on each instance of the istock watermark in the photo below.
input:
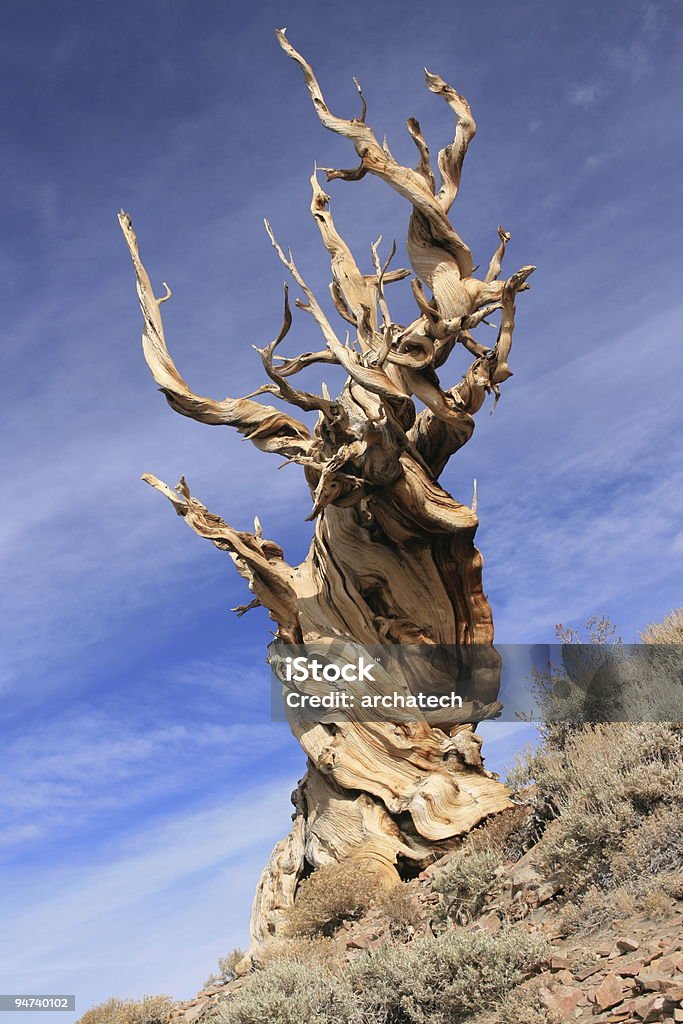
(331, 681)
(303, 668)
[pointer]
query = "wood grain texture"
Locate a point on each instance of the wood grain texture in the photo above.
(392, 558)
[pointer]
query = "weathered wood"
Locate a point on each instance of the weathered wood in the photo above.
(392, 559)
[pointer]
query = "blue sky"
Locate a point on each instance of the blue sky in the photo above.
(143, 782)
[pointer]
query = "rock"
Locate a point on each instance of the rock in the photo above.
(192, 1013)
(588, 972)
(629, 970)
(651, 982)
(525, 876)
(559, 963)
(652, 1008)
(545, 892)
(628, 945)
(609, 992)
(673, 988)
(565, 1000)
(489, 923)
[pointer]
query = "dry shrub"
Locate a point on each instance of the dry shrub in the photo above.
(605, 784)
(520, 1006)
(653, 847)
(399, 909)
(319, 949)
(330, 896)
(227, 969)
(504, 833)
(463, 883)
(656, 904)
(668, 631)
(597, 909)
(148, 1010)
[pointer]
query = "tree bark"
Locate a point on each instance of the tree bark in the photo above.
(392, 559)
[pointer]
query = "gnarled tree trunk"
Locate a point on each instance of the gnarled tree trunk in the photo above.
(392, 560)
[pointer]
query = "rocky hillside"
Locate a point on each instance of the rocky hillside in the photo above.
(568, 907)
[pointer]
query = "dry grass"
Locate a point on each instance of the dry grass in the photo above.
(148, 1010)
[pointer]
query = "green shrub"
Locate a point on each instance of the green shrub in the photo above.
(431, 980)
(291, 991)
(148, 1010)
(443, 979)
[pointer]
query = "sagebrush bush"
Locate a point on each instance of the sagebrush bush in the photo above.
(292, 991)
(442, 979)
(521, 1006)
(330, 896)
(148, 1010)
(431, 980)
(605, 784)
(463, 883)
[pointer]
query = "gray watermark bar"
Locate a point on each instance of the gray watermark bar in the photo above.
(34, 1001)
(334, 680)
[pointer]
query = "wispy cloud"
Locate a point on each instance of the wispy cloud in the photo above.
(121, 926)
(585, 94)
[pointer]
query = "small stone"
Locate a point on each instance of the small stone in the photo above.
(588, 972)
(559, 963)
(565, 999)
(628, 945)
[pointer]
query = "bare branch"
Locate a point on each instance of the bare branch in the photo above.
(259, 561)
(497, 258)
(378, 160)
(268, 428)
(451, 158)
(303, 399)
(424, 167)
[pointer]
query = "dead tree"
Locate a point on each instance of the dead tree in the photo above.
(392, 559)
